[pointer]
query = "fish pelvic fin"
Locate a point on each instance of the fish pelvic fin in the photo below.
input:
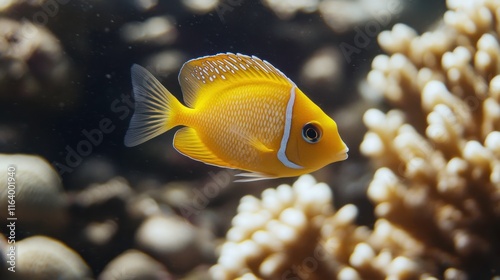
(155, 108)
(253, 176)
(188, 143)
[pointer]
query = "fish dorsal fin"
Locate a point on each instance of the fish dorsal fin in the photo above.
(220, 70)
(188, 143)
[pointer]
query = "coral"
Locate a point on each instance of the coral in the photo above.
(272, 235)
(437, 188)
(294, 233)
(439, 153)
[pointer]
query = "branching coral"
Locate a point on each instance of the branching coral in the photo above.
(439, 154)
(437, 189)
(274, 234)
(294, 233)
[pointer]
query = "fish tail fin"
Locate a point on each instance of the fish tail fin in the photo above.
(155, 108)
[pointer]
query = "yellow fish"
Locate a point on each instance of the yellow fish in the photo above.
(241, 113)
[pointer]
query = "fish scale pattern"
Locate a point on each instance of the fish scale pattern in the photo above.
(235, 119)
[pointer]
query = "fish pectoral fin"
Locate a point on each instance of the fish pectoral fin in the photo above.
(254, 176)
(188, 143)
(251, 140)
(257, 144)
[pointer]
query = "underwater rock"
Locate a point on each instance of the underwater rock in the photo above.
(98, 194)
(100, 233)
(201, 6)
(34, 66)
(286, 9)
(155, 30)
(41, 257)
(342, 16)
(145, 5)
(93, 170)
(40, 203)
(134, 264)
(165, 63)
(171, 240)
(323, 70)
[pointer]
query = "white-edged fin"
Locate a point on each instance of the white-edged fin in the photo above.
(253, 176)
(225, 69)
(152, 108)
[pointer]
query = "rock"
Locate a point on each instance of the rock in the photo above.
(100, 194)
(156, 30)
(171, 240)
(40, 257)
(40, 204)
(34, 65)
(133, 264)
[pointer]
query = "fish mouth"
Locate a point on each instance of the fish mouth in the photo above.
(342, 155)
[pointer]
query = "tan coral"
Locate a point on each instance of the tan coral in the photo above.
(294, 233)
(272, 237)
(437, 189)
(438, 153)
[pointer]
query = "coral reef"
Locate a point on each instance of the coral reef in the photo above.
(107, 212)
(293, 232)
(273, 234)
(438, 153)
(437, 188)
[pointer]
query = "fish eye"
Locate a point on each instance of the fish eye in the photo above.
(311, 133)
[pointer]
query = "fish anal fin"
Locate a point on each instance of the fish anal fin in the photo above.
(188, 143)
